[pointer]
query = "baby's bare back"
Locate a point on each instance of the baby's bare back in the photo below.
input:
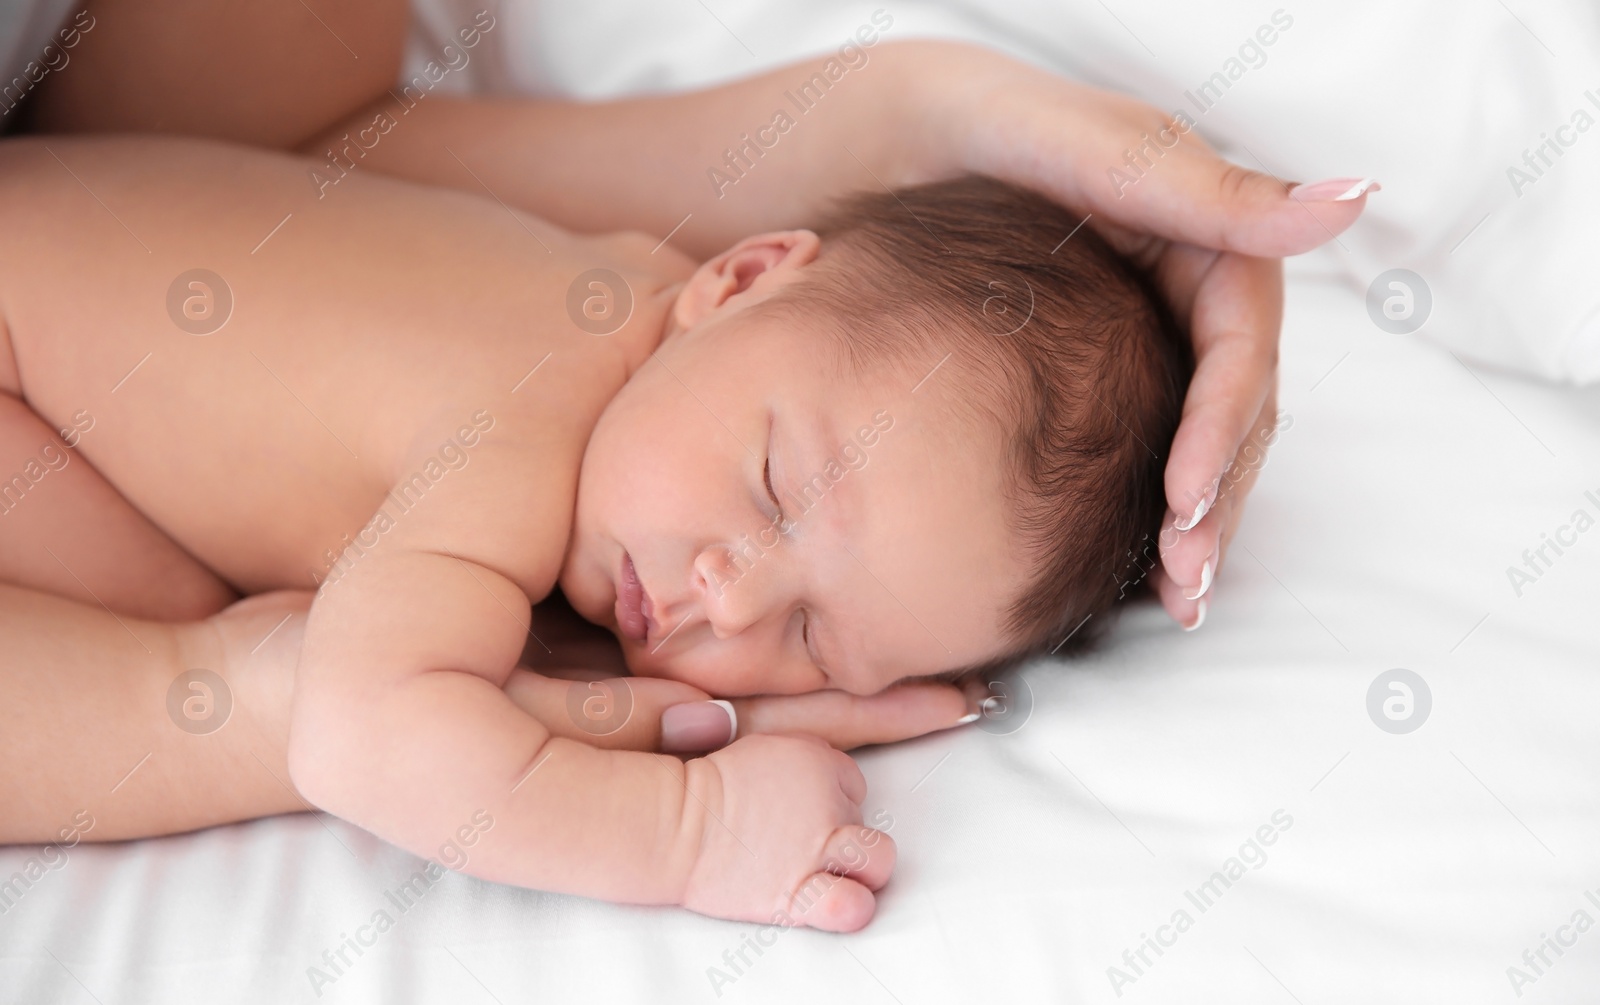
(263, 365)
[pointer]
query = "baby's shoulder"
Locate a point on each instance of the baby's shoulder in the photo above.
(498, 485)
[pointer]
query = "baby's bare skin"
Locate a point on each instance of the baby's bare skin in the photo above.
(368, 330)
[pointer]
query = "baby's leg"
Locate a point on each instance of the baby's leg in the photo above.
(65, 530)
(101, 721)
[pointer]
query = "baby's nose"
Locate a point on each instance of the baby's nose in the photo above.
(730, 591)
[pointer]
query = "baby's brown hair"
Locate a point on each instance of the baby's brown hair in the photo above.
(1067, 346)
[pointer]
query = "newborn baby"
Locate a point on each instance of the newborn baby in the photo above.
(925, 436)
(1012, 394)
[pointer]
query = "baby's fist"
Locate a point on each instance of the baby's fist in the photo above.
(781, 839)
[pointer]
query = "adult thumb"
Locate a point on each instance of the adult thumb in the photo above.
(1191, 195)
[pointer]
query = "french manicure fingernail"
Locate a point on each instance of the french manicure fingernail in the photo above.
(1205, 580)
(1334, 190)
(1200, 511)
(975, 690)
(1199, 618)
(698, 725)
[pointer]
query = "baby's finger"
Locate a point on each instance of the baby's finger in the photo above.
(851, 781)
(1234, 327)
(832, 903)
(865, 855)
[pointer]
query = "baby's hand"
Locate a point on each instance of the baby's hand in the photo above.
(781, 839)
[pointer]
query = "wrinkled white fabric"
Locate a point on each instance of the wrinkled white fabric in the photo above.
(1383, 535)
(1416, 867)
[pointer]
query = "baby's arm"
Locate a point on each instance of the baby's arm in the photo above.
(401, 725)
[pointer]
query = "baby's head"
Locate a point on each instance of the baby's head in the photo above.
(924, 438)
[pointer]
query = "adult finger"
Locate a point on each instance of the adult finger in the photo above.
(617, 713)
(1217, 204)
(654, 714)
(1130, 163)
(1193, 557)
(1188, 599)
(1190, 614)
(1176, 186)
(1189, 558)
(847, 720)
(1234, 326)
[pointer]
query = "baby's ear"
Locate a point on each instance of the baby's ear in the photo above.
(757, 265)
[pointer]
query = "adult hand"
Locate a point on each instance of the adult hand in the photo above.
(1210, 232)
(650, 713)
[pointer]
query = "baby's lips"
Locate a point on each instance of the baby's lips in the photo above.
(696, 726)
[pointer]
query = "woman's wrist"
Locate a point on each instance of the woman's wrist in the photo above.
(917, 117)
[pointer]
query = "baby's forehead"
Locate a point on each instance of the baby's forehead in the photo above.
(832, 414)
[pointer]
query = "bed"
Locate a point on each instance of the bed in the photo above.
(1373, 775)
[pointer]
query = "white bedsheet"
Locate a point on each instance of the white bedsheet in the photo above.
(1417, 867)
